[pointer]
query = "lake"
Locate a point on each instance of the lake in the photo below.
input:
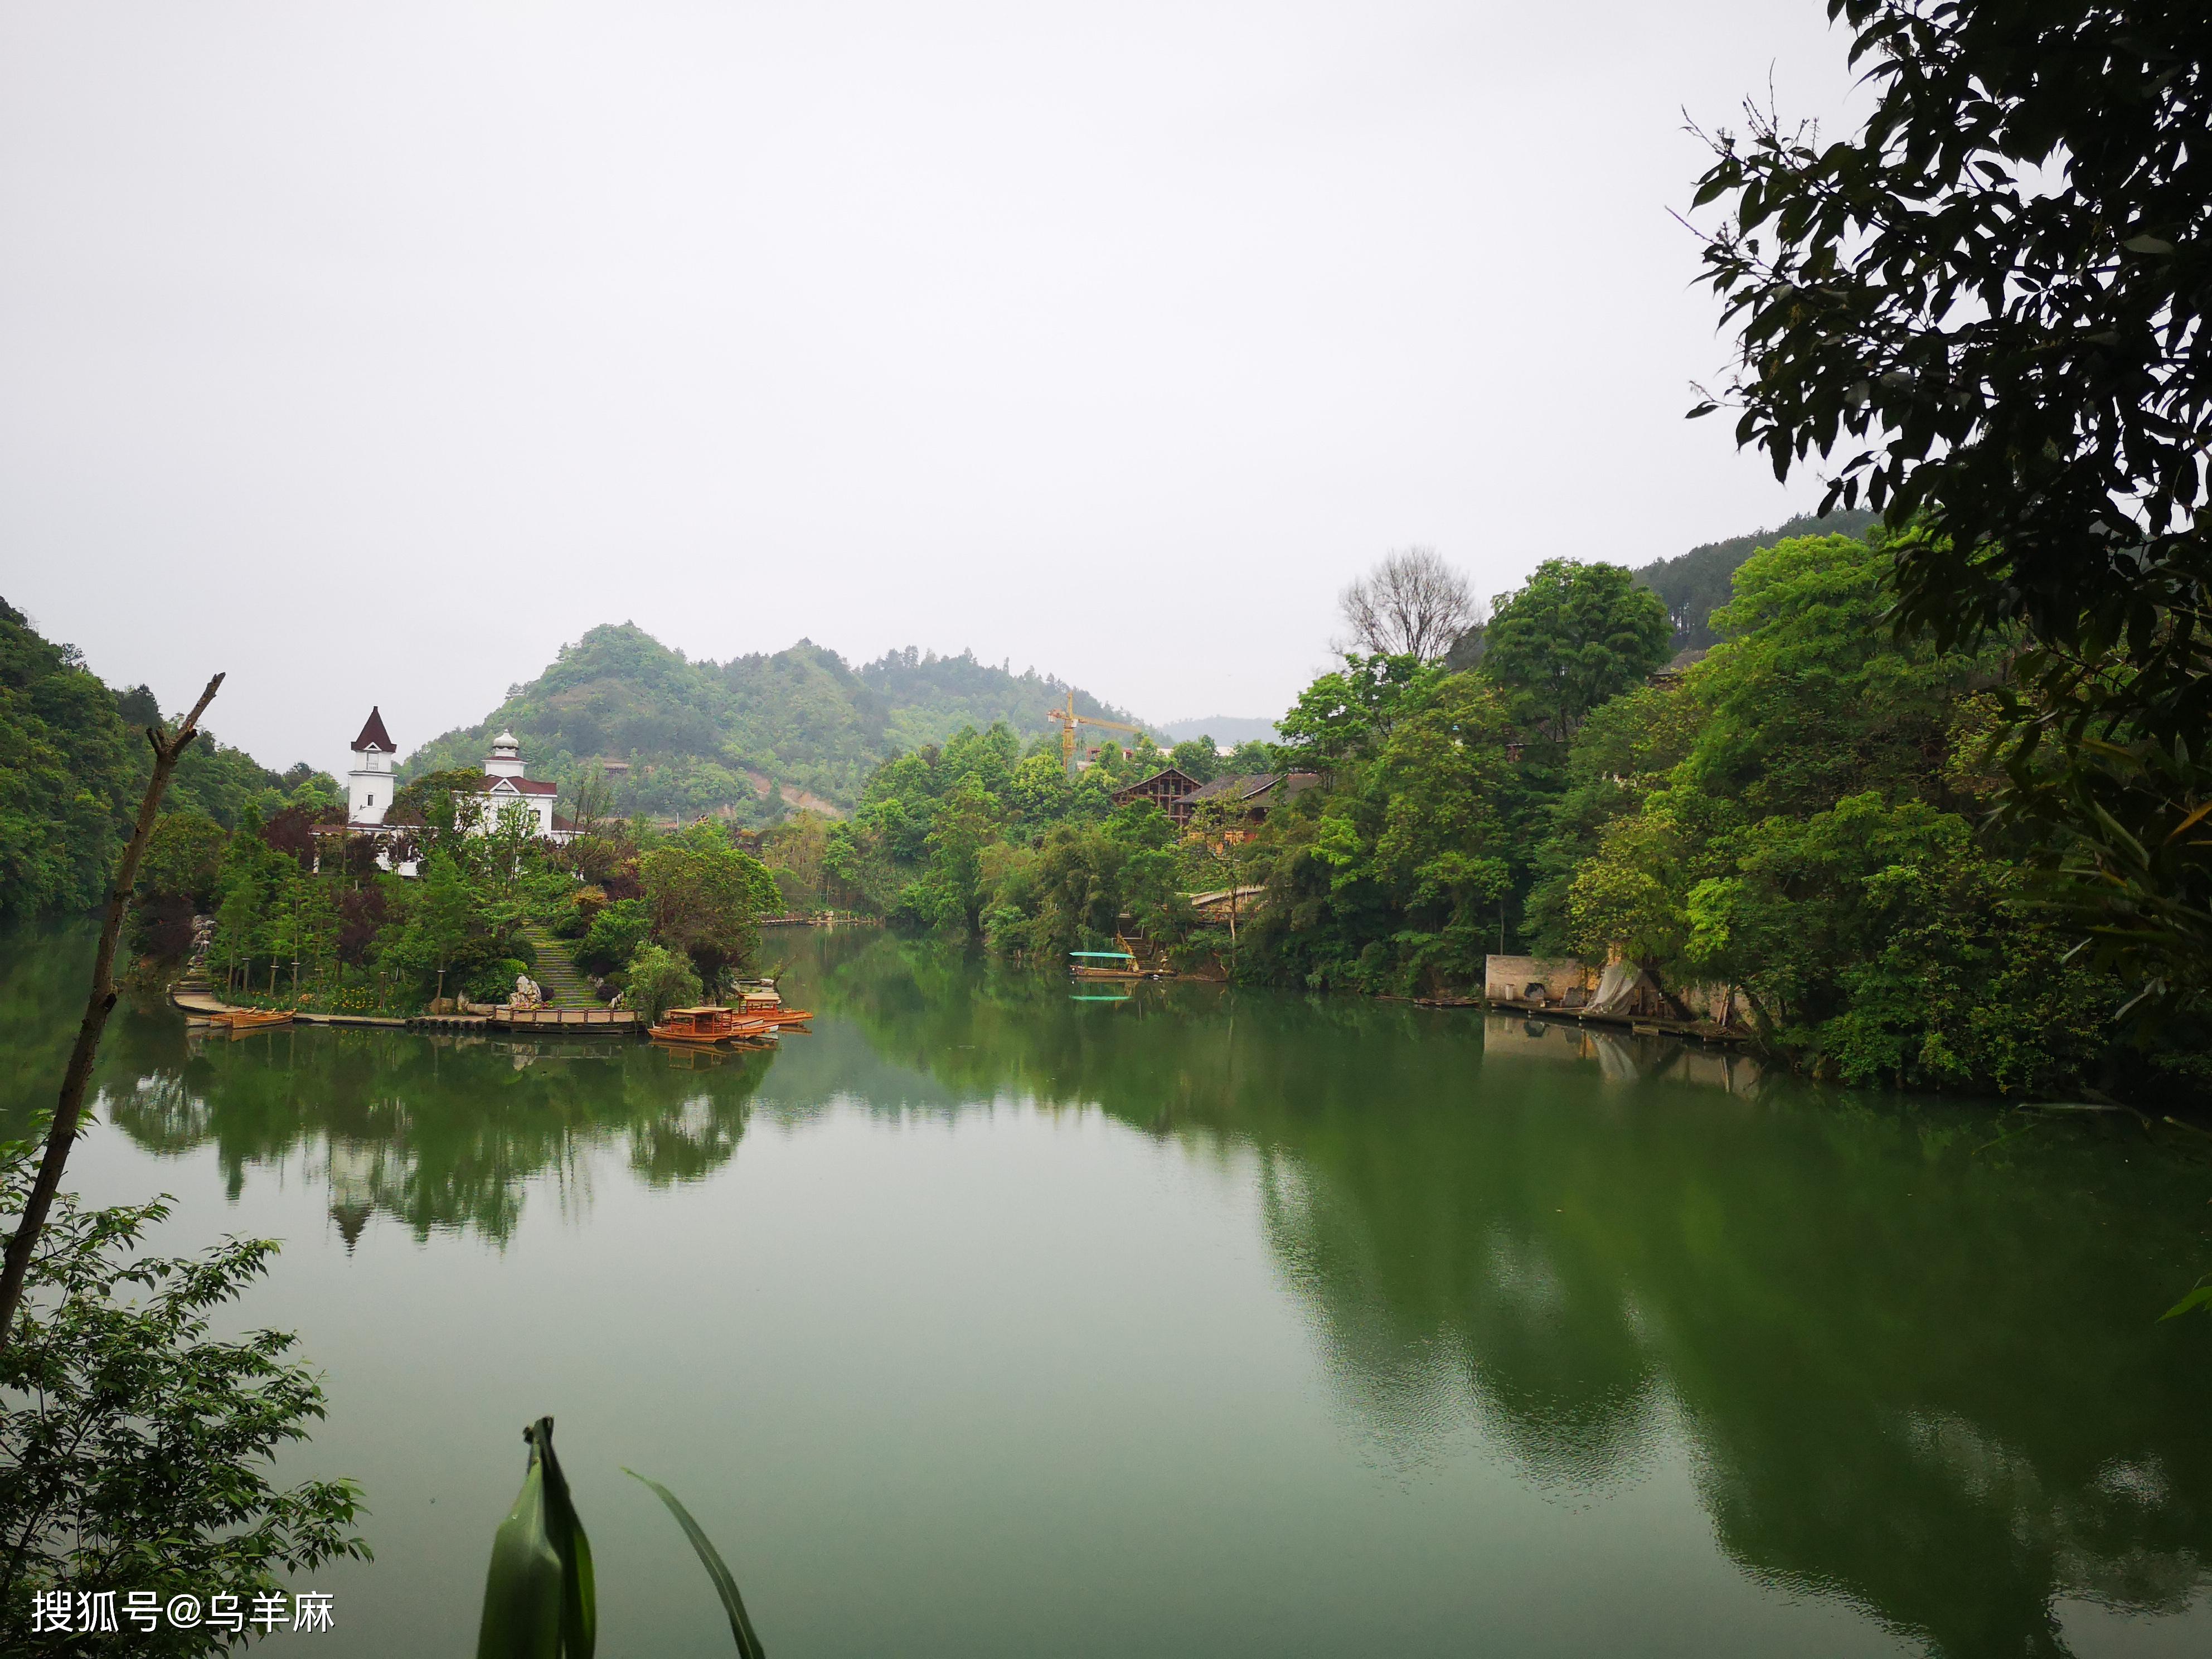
(991, 1320)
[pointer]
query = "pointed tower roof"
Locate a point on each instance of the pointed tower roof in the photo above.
(372, 732)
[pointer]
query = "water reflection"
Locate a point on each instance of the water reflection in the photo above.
(440, 1132)
(1913, 1351)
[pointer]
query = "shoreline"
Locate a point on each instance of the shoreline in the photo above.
(555, 1021)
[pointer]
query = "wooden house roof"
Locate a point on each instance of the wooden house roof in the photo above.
(1180, 781)
(1249, 786)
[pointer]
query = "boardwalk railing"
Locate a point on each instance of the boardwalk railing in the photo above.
(568, 1018)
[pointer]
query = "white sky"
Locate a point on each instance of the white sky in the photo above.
(370, 351)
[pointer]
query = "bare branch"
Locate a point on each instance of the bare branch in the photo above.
(1411, 603)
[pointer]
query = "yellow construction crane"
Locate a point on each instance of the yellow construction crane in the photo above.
(1067, 720)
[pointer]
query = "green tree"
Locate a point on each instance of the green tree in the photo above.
(1196, 758)
(444, 927)
(179, 875)
(1442, 846)
(135, 1450)
(660, 979)
(614, 936)
(65, 774)
(1985, 312)
(1344, 714)
(1811, 698)
(1570, 640)
(1879, 940)
(707, 898)
(963, 825)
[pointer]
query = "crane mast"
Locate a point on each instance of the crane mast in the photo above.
(1067, 720)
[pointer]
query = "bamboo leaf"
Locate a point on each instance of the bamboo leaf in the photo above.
(725, 1586)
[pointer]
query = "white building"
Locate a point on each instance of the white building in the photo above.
(369, 785)
(504, 782)
(507, 782)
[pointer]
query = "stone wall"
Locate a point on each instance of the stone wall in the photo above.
(1507, 979)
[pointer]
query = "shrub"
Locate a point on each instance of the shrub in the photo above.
(494, 981)
(614, 936)
(135, 1452)
(660, 980)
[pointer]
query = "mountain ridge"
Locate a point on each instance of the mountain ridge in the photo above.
(747, 737)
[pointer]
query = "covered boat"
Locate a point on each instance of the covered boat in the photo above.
(762, 1001)
(710, 1024)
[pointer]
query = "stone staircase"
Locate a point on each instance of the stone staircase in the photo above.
(562, 983)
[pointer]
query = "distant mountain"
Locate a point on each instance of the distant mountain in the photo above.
(1696, 583)
(1226, 730)
(747, 736)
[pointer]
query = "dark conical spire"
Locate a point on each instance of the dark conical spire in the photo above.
(372, 732)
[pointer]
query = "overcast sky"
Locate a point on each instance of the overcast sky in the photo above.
(371, 351)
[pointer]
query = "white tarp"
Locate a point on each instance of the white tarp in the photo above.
(1615, 987)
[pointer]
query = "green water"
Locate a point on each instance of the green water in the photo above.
(984, 1321)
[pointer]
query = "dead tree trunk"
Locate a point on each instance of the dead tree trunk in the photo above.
(69, 1112)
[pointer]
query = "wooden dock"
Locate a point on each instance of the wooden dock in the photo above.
(201, 1000)
(1635, 1024)
(534, 1022)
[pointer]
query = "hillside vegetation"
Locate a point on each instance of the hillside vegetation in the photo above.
(1803, 818)
(74, 762)
(745, 738)
(1695, 584)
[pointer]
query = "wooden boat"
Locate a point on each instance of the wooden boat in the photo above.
(762, 1001)
(1104, 965)
(249, 1019)
(710, 1025)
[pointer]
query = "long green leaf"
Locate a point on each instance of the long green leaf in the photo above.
(2199, 1298)
(522, 1591)
(725, 1586)
(540, 1598)
(580, 1612)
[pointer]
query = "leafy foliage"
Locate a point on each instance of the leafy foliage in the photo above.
(705, 898)
(1985, 312)
(660, 978)
(135, 1449)
(1791, 819)
(1695, 584)
(1571, 639)
(72, 767)
(65, 774)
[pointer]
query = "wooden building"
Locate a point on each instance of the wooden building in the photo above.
(1169, 789)
(1244, 801)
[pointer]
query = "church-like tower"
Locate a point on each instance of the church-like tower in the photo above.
(370, 784)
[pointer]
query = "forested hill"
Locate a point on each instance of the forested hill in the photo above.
(799, 726)
(74, 764)
(1696, 583)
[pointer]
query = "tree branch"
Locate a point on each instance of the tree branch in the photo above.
(61, 1134)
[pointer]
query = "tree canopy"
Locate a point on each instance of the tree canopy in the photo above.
(1984, 311)
(1572, 637)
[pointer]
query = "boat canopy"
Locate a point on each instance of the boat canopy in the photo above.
(1119, 955)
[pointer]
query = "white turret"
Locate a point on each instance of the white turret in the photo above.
(505, 760)
(369, 785)
(506, 783)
